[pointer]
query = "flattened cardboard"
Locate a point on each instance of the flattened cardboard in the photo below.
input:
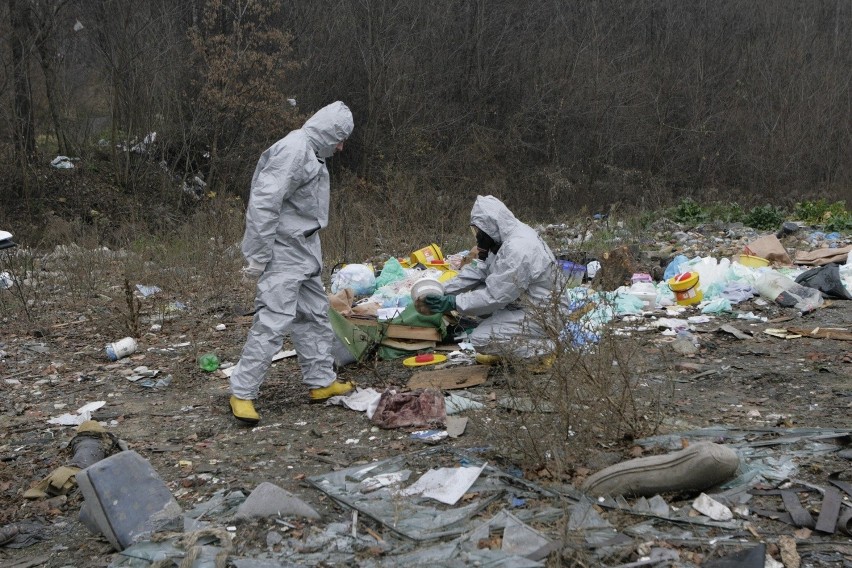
(770, 248)
(823, 256)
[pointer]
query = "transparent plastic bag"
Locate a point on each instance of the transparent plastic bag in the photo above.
(785, 292)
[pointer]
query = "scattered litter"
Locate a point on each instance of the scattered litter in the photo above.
(83, 413)
(148, 290)
(384, 480)
(781, 333)
(524, 404)
(62, 163)
(429, 436)
(121, 348)
(416, 517)
(361, 400)
(727, 328)
(446, 484)
(410, 409)
(456, 426)
(712, 508)
(269, 500)
(455, 403)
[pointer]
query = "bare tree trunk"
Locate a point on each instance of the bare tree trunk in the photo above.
(24, 130)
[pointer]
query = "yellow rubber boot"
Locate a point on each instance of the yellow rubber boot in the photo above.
(484, 359)
(244, 410)
(336, 388)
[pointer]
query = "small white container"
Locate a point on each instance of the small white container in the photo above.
(426, 287)
(646, 292)
(121, 348)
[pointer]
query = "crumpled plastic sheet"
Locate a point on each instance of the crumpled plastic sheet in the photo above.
(421, 518)
(521, 547)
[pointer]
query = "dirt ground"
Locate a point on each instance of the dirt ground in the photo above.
(763, 384)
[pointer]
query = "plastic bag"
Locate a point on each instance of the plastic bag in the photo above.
(672, 269)
(826, 279)
(716, 306)
(712, 275)
(359, 277)
(784, 292)
(392, 271)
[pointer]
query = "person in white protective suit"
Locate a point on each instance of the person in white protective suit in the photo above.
(516, 275)
(287, 208)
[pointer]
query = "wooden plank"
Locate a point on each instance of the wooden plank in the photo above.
(448, 379)
(408, 344)
(395, 331)
(822, 333)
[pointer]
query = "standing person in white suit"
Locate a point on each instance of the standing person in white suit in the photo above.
(287, 208)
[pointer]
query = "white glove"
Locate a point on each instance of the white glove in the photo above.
(253, 271)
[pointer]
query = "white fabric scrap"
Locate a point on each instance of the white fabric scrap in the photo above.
(361, 400)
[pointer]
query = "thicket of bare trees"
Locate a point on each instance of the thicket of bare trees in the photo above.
(552, 104)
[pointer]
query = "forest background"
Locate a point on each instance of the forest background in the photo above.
(561, 108)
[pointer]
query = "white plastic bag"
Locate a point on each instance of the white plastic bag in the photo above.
(359, 277)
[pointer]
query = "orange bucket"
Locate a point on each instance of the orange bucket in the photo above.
(685, 288)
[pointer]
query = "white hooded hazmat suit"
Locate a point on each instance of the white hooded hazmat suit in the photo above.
(287, 207)
(520, 278)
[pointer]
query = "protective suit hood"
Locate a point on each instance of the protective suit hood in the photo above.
(331, 125)
(493, 217)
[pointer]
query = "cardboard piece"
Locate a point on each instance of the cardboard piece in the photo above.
(448, 379)
(823, 256)
(770, 248)
(342, 301)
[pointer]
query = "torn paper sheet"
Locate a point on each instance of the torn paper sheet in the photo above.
(446, 484)
(83, 413)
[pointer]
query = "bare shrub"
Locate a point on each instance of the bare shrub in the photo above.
(589, 392)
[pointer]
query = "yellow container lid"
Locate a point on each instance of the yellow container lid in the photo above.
(683, 281)
(752, 261)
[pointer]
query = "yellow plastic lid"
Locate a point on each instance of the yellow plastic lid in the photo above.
(683, 281)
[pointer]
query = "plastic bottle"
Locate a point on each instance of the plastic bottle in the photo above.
(208, 362)
(121, 348)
